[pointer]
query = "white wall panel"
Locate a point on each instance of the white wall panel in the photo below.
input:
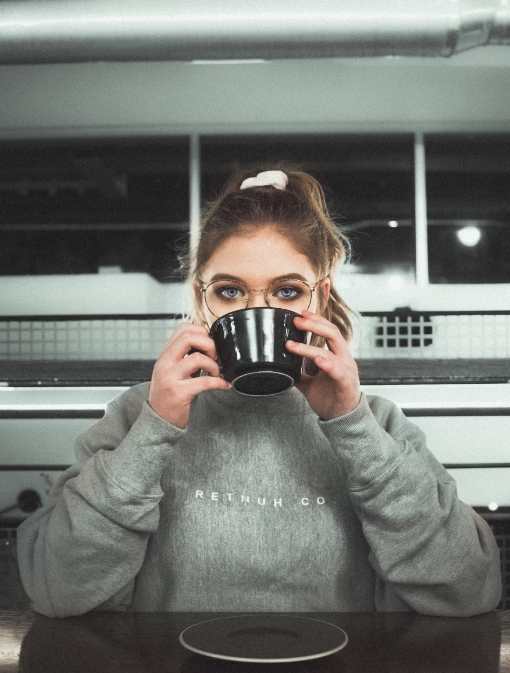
(479, 487)
(40, 441)
(372, 94)
(467, 439)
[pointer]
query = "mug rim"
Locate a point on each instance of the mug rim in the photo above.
(253, 308)
(265, 371)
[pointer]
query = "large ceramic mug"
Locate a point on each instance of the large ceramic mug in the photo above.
(250, 344)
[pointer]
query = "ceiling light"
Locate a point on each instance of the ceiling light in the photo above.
(469, 235)
(393, 223)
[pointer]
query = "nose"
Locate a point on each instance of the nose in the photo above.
(257, 299)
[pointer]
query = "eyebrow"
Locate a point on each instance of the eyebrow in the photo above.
(226, 276)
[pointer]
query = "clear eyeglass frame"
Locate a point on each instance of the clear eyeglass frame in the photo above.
(203, 290)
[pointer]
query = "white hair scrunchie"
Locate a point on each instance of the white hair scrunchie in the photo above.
(276, 179)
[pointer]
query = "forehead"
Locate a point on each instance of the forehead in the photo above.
(263, 255)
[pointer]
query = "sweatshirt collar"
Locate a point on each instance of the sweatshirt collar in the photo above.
(290, 402)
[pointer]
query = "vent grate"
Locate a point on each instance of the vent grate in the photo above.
(85, 337)
(12, 593)
(501, 530)
(429, 335)
(398, 332)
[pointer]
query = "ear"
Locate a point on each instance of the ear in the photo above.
(198, 299)
(325, 286)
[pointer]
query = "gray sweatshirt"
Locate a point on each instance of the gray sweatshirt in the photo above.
(257, 505)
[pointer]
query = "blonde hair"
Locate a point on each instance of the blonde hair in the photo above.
(299, 213)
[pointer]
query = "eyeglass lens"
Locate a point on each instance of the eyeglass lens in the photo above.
(224, 296)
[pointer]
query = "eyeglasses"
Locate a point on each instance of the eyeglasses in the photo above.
(224, 296)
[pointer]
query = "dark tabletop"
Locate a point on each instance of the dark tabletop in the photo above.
(108, 642)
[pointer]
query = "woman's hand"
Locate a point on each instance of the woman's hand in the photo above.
(335, 390)
(173, 388)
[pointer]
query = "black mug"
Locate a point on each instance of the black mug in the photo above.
(250, 345)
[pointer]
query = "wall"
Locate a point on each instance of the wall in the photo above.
(470, 91)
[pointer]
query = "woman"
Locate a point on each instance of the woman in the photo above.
(188, 496)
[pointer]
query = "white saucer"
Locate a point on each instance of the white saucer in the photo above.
(264, 638)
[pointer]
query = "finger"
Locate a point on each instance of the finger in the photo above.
(176, 336)
(338, 369)
(186, 327)
(304, 382)
(307, 351)
(199, 385)
(189, 365)
(188, 340)
(312, 322)
(331, 364)
(320, 322)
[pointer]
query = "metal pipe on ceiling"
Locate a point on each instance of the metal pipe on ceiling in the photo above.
(54, 31)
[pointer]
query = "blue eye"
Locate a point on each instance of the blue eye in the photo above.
(230, 292)
(289, 292)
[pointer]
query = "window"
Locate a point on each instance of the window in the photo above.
(368, 180)
(89, 206)
(84, 207)
(468, 203)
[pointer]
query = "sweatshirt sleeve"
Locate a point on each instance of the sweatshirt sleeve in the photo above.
(431, 552)
(84, 548)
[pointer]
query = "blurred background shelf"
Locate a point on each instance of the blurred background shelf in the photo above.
(129, 372)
